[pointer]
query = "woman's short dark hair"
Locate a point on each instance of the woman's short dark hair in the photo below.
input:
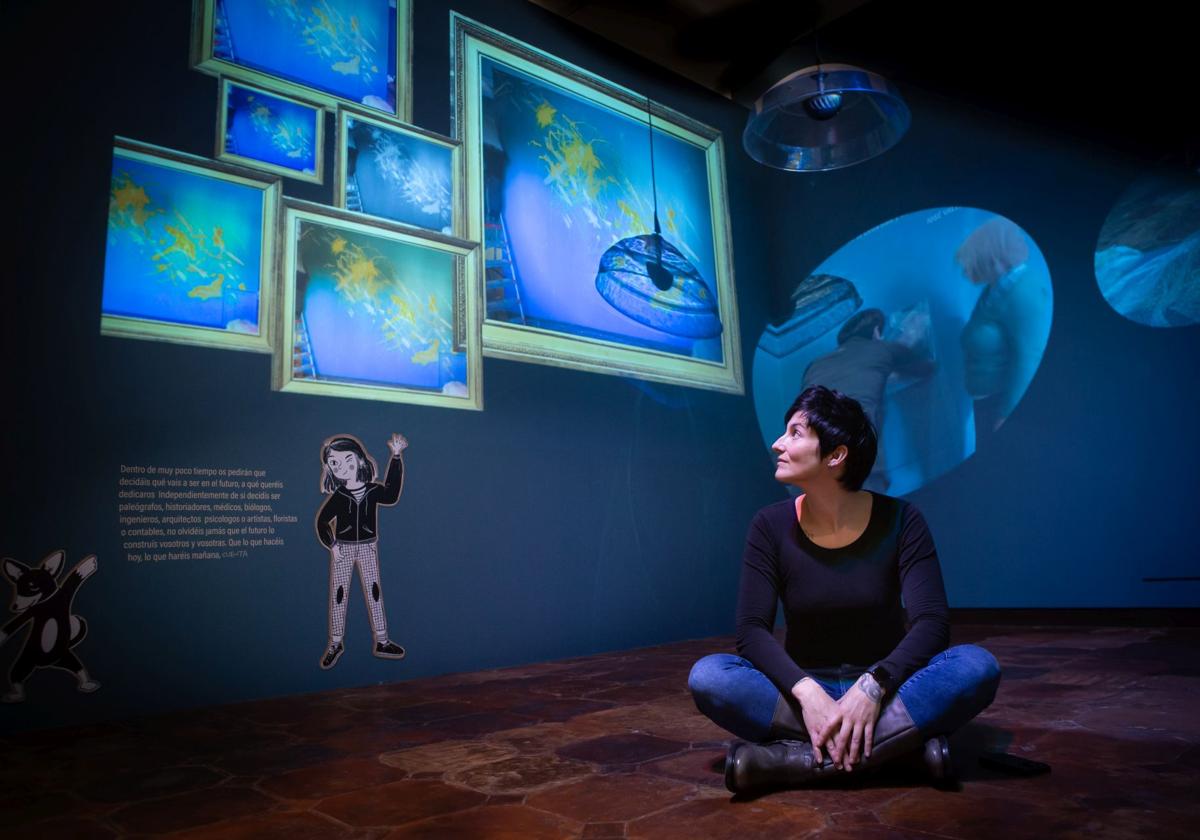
(861, 325)
(839, 420)
(345, 443)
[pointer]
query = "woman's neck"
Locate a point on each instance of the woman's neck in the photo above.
(829, 509)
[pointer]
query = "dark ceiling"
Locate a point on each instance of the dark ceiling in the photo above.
(1125, 78)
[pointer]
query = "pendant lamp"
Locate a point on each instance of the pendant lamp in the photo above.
(825, 117)
(651, 281)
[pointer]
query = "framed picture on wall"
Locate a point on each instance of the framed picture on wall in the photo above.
(375, 310)
(335, 51)
(190, 250)
(398, 172)
(275, 133)
(605, 250)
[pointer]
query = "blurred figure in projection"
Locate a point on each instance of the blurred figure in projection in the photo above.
(860, 367)
(1003, 339)
(347, 525)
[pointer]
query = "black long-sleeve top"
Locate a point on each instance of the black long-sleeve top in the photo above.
(345, 519)
(842, 605)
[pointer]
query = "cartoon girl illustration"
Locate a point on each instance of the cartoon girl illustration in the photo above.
(346, 525)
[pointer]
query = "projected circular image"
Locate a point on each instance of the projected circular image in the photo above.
(1148, 253)
(935, 321)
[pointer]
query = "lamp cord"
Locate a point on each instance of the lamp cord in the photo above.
(653, 181)
(817, 53)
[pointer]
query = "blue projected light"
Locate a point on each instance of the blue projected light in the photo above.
(565, 181)
(182, 248)
(1148, 252)
(271, 132)
(376, 311)
(346, 48)
(397, 175)
(934, 321)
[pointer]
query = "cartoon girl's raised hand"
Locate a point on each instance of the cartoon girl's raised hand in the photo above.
(397, 443)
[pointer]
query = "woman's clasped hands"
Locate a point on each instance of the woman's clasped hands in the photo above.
(844, 728)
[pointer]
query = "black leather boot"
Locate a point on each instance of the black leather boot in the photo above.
(787, 722)
(792, 763)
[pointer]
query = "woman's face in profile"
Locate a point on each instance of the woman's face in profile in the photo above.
(797, 452)
(343, 465)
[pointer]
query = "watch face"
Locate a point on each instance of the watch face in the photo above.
(870, 687)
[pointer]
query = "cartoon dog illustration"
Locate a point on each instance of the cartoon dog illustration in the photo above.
(54, 630)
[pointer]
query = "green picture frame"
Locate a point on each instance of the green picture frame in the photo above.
(370, 309)
(434, 156)
(316, 153)
(579, 181)
(181, 232)
(302, 70)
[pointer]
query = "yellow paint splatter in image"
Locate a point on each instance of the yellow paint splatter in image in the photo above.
(323, 22)
(181, 242)
(347, 68)
(261, 118)
(403, 310)
(127, 198)
(635, 218)
(210, 290)
(357, 274)
(545, 114)
(428, 355)
(367, 282)
(572, 165)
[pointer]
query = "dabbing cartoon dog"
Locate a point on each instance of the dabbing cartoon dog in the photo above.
(39, 600)
(347, 525)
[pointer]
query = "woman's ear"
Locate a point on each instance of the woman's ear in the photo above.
(838, 456)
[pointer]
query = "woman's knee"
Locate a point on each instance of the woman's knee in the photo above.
(709, 677)
(982, 671)
(704, 672)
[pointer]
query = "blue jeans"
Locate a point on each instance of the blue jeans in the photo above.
(954, 687)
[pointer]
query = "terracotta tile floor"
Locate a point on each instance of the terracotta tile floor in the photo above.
(610, 746)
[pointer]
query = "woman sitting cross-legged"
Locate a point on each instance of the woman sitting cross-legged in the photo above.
(851, 687)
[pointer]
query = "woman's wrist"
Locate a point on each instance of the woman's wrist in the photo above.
(803, 687)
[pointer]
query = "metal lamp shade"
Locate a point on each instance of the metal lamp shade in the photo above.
(825, 117)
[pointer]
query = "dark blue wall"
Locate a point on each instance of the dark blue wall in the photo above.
(1090, 485)
(577, 513)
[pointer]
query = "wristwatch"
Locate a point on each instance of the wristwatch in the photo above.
(870, 687)
(883, 679)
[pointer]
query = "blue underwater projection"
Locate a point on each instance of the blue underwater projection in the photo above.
(1148, 252)
(275, 131)
(346, 48)
(182, 248)
(569, 218)
(399, 176)
(935, 321)
(371, 310)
